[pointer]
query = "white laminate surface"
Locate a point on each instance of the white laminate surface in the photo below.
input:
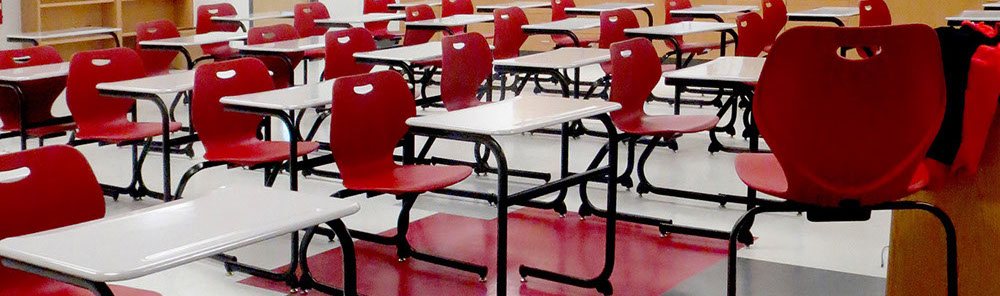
(727, 69)
(521, 114)
(197, 39)
(597, 8)
(34, 72)
(715, 9)
(410, 53)
(992, 5)
(75, 32)
(562, 58)
(977, 16)
(453, 21)
(570, 24)
(402, 6)
(681, 28)
(838, 12)
(153, 239)
(518, 4)
(361, 19)
(291, 98)
(287, 46)
(161, 84)
(254, 16)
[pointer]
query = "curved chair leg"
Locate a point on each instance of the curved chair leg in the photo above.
(350, 262)
(190, 173)
(173, 105)
(742, 224)
(644, 185)
(270, 175)
(315, 127)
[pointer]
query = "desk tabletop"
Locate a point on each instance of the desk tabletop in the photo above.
(164, 236)
(597, 8)
(171, 83)
(361, 19)
(287, 46)
(518, 4)
(452, 21)
(254, 16)
(725, 69)
(838, 12)
(34, 72)
(715, 9)
(402, 6)
(197, 39)
(291, 98)
(977, 16)
(410, 53)
(521, 114)
(74, 32)
(680, 28)
(570, 24)
(992, 5)
(562, 58)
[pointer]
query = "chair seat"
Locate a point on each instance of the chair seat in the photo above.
(315, 54)
(221, 52)
(668, 125)
(565, 41)
(20, 283)
(762, 172)
(44, 130)
(606, 66)
(249, 154)
(125, 131)
(435, 62)
(409, 179)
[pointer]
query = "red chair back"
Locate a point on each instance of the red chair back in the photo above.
(60, 190)
(216, 127)
(465, 64)
(775, 17)
(373, 6)
(156, 61)
(752, 36)
(613, 25)
(306, 15)
(453, 7)
(672, 5)
(509, 38)
(559, 9)
(205, 14)
(42, 93)
(92, 111)
(874, 13)
(340, 48)
(275, 33)
(980, 109)
(368, 119)
(418, 13)
(636, 68)
(891, 106)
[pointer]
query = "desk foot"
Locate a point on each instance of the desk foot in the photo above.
(601, 283)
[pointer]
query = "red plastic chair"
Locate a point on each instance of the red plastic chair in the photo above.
(559, 13)
(687, 47)
(280, 67)
(380, 29)
(306, 15)
(216, 51)
(980, 109)
(368, 120)
(104, 119)
(509, 38)
(340, 48)
(892, 124)
(36, 95)
(874, 13)
(418, 13)
(752, 36)
(35, 205)
(775, 16)
(453, 7)
(157, 62)
(230, 138)
(613, 26)
(467, 62)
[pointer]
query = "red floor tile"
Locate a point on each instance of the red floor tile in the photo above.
(646, 264)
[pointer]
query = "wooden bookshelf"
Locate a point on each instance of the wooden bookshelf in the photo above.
(47, 15)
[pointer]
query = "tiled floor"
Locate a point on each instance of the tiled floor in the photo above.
(788, 253)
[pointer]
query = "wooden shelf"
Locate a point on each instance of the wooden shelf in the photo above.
(74, 3)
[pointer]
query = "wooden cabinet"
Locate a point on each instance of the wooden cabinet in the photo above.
(46, 15)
